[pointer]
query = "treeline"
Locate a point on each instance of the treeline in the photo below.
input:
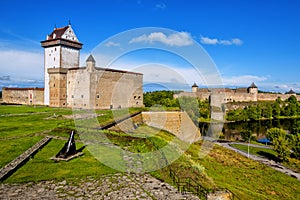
(286, 145)
(195, 108)
(266, 110)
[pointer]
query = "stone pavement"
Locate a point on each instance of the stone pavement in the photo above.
(117, 186)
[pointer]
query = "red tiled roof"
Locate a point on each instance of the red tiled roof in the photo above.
(58, 33)
(7, 88)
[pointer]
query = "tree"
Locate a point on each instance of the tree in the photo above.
(252, 113)
(276, 109)
(296, 145)
(246, 135)
(292, 99)
(267, 111)
(282, 147)
(280, 142)
(274, 133)
(204, 109)
(190, 106)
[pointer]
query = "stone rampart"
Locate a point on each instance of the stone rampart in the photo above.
(25, 96)
(178, 123)
(127, 124)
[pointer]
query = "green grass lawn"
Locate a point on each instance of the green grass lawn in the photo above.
(248, 179)
(41, 167)
(10, 149)
(221, 168)
(270, 153)
(292, 163)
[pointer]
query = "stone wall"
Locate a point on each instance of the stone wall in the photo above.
(273, 97)
(238, 96)
(25, 96)
(129, 124)
(57, 87)
(178, 123)
(99, 88)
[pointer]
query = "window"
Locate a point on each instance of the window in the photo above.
(53, 85)
(98, 96)
(82, 96)
(73, 96)
(55, 49)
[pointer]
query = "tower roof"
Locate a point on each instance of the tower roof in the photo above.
(57, 33)
(291, 92)
(62, 36)
(90, 59)
(194, 85)
(252, 85)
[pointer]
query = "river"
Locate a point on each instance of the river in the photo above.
(232, 130)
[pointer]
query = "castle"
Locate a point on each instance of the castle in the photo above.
(68, 85)
(226, 95)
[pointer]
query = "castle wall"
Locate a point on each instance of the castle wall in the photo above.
(95, 88)
(26, 96)
(78, 88)
(57, 87)
(178, 123)
(273, 97)
(52, 59)
(69, 57)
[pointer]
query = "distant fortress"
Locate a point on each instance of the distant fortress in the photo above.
(244, 94)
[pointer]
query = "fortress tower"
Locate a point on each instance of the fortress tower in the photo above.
(194, 87)
(61, 51)
(253, 90)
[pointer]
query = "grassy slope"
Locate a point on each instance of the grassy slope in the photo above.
(246, 178)
(43, 168)
(10, 149)
(292, 163)
(223, 168)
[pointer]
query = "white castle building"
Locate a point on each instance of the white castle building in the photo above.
(68, 85)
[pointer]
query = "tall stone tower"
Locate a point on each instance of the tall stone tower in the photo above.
(194, 87)
(62, 51)
(253, 90)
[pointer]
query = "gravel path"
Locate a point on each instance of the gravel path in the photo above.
(117, 186)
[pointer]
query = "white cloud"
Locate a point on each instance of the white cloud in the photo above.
(175, 39)
(21, 64)
(23, 68)
(161, 6)
(215, 41)
(236, 41)
(112, 44)
(206, 40)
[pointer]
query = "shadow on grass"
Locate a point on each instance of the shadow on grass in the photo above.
(269, 156)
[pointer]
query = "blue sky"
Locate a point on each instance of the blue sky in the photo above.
(249, 41)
